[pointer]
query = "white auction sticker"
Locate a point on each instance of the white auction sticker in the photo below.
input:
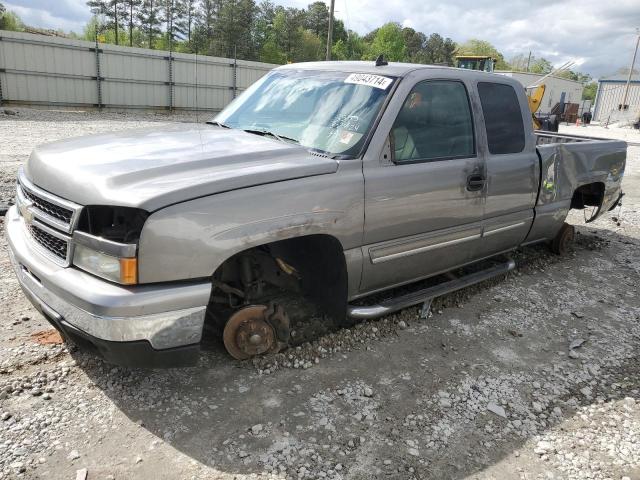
(376, 81)
(345, 137)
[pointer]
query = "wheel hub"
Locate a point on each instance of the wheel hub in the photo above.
(247, 333)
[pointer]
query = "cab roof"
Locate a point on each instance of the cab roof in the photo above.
(395, 69)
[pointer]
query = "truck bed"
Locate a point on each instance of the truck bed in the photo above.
(545, 138)
(574, 163)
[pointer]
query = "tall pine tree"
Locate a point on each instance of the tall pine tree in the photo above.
(112, 10)
(149, 16)
(172, 12)
(205, 19)
(317, 18)
(186, 19)
(233, 28)
(131, 8)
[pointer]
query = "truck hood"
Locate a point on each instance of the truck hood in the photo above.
(153, 168)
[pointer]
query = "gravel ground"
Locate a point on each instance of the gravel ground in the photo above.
(536, 375)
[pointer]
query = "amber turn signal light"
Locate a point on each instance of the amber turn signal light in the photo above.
(129, 271)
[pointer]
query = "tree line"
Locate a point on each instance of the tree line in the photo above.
(275, 34)
(255, 31)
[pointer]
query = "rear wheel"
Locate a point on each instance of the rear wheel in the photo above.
(563, 240)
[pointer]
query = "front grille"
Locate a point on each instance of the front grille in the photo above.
(63, 214)
(57, 246)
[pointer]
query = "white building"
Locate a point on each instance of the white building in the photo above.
(557, 89)
(608, 104)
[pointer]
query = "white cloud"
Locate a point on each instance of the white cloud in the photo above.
(599, 34)
(68, 15)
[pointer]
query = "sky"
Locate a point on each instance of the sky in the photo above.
(598, 35)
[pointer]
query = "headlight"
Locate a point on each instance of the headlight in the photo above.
(119, 265)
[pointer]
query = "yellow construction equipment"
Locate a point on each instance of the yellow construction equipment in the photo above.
(483, 63)
(534, 96)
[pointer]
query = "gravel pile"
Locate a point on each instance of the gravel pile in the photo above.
(603, 443)
(360, 336)
(30, 435)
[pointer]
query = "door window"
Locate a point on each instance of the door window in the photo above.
(502, 117)
(434, 123)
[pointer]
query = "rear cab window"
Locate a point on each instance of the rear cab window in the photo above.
(502, 118)
(435, 123)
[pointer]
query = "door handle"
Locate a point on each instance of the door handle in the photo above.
(475, 182)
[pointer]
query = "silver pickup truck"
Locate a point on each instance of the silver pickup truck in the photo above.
(322, 184)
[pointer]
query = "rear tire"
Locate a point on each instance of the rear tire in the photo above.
(563, 240)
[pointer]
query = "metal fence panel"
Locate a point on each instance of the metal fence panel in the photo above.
(208, 78)
(40, 89)
(250, 72)
(34, 70)
(135, 80)
(609, 99)
(202, 98)
(57, 71)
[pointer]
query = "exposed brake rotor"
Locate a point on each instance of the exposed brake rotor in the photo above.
(256, 330)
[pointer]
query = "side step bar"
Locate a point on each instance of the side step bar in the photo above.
(394, 304)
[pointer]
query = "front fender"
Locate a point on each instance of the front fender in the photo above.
(192, 239)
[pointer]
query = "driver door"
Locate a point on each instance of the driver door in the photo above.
(424, 196)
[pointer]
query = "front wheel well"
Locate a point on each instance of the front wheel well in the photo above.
(313, 266)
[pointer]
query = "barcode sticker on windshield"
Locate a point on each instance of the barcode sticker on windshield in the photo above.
(370, 80)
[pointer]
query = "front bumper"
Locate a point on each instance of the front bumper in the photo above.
(145, 325)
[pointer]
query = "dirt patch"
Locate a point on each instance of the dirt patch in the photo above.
(47, 337)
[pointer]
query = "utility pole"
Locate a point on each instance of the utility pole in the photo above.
(170, 19)
(633, 62)
(330, 32)
(98, 78)
(529, 61)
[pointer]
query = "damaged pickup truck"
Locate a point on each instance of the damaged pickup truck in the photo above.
(322, 184)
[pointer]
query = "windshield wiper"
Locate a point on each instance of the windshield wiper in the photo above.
(285, 139)
(219, 124)
(282, 138)
(332, 156)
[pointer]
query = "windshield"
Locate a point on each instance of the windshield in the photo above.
(327, 111)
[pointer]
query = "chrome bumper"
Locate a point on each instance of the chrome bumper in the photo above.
(166, 316)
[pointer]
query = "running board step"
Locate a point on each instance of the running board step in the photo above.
(394, 304)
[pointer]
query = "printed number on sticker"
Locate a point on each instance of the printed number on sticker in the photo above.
(376, 81)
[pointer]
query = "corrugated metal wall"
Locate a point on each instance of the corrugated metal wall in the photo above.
(36, 69)
(609, 97)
